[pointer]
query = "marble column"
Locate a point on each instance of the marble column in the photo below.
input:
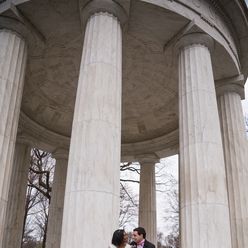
(91, 207)
(17, 197)
(147, 198)
(236, 159)
(204, 212)
(12, 66)
(57, 200)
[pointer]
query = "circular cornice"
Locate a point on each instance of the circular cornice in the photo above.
(40, 137)
(60, 153)
(207, 18)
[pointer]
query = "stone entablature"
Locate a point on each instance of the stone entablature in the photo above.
(234, 84)
(12, 19)
(40, 137)
(210, 18)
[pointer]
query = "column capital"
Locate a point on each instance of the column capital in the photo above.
(148, 159)
(232, 84)
(11, 30)
(21, 26)
(194, 39)
(60, 153)
(89, 8)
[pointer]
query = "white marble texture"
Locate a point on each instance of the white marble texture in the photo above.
(236, 160)
(91, 209)
(57, 200)
(147, 199)
(17, 197)
(204, 208)
(13, 55)
(150, 92)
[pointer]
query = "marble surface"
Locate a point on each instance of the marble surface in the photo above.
(93, 178)
(150, 99)
(17, 197)
(204, 210)
(13, 56)
(147, 199)
(147, 84)
(235, 151)
(56, 207)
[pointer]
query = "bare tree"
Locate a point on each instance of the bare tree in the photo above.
(41, 219)
(160, 240)
(128, 206)
(172, 219)
(128, 199)
(38, 198)
(167, 185)
(129, 167)
(41, 172)
(39, 195)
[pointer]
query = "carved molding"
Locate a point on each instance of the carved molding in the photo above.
(32, 133)
(207, 15)
(148, 159)
(162, 146)
(233, 84)
(39, 136)
(91, 7)
(20, 24)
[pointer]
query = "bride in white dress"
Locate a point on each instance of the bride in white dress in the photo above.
(120, 239)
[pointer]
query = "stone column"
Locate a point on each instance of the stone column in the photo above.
(12, 66)
(17, 197)
(147, 198)
(236, 160)
(91, 207)
(57, 200)
(204, 211)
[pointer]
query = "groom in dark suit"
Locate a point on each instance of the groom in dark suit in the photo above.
(139, 239)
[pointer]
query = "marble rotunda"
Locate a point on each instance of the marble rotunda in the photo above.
(97, 82)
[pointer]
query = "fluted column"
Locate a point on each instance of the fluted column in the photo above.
(12, 67)
(92, 189)
(17, 197)
(147, 198)
(57, 200)
(204, 212)
(236, 160)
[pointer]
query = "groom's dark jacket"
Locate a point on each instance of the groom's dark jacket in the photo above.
(147, 244)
